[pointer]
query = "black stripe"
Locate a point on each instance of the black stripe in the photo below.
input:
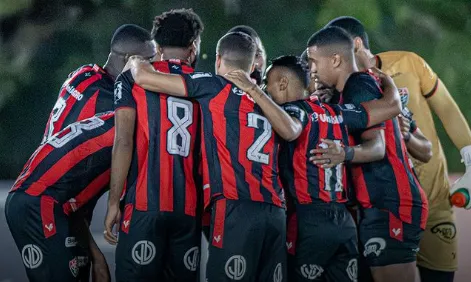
(434, 89)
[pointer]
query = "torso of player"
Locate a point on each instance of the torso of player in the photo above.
(241, 148)
(87, 91)
(432, 175)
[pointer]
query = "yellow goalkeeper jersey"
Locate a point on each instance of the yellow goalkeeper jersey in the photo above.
(416, 82)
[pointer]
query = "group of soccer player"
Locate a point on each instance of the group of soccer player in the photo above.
(295, 172)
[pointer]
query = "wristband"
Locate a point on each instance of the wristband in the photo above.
(406, 137)
(349, 153)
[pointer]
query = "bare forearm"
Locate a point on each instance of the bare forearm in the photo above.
(283, 124)
(388, 107)
(372, 147)
(156, 81)
(419, 148)
(121, 161)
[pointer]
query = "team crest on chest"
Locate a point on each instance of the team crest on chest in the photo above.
(404, 94)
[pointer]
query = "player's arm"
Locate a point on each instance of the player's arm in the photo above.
(287, 127)
(417, 144)
(148, 78)
(125, 117)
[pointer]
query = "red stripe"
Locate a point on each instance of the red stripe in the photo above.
(219, 218)
(127, 218)
(38, 156)
(396, 228)
(205, 170)
(359, 183)
(339, 196)
(400, 173)
(247, 135)
(47, 216)
(92, 189)
(324, 195)
(188, 166)
(72, 100)
(89, 109)
(142, 145)
(292, 233)
(300, 172)
(216, 107)
(187, 69)
(68, 161)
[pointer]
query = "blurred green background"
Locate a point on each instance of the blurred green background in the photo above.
(43, 41)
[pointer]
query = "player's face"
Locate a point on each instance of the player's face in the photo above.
(260, 62)
(149, 51)
(320, 66)
(195, 52)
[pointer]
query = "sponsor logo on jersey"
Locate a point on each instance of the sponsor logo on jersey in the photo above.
(311, 271)
(374, 246)
(200, 75)
(315, 117)
(235, 267)
(32, 256)
(70, 242)
(238, 91)
(191, 259)
(446, 231)
(143, 252)
(118, 91)
(72, 91)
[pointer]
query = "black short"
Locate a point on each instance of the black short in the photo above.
(42, 234)
(247, 242)
(154, 244)
(386, 239)
(322, 243)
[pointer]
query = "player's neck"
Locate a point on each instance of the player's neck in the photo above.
(175, 54)
(371, 58)
(112, 68)
(344, 75)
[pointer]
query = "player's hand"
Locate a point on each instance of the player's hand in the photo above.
(136, 64)
(100, 270)
(384, 78)
(404, 124)
(324, 94)
(112, 218)
(241, 79)
(328, 157)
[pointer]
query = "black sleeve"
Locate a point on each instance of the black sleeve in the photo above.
(355, 117)
(123, 91)
(295, 110)
(202, 84)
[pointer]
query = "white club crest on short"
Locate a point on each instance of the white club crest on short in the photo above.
(32, 256)
(278, 273)
(311, 271)
(374, 246)
(235, 267)
(191, 259)
(352, 270)
(143, 252)
(118, 91)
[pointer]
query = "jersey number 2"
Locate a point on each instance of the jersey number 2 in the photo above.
(254, 153)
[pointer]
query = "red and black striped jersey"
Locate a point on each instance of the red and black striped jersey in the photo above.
(306, 181)
(86, 92)
(390, 183)
(239, 145)
(164, 168)
(73, 166)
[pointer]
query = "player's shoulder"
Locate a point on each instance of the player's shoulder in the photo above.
(296, 105)
(360, 79)
(391, 57)
(88, 70)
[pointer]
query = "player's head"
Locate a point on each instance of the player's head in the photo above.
(235, 50)
(357, 32)
(178, 34)
(330, 53)
(287, 79)
(128, 40)
(260, 56)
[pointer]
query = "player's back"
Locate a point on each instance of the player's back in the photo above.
(416, 83)
(389, 183)
(87, 91)
(73, 164)
(239, 144)
(308, 182)
(164, 171)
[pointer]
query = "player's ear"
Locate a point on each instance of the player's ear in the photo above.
(336, 60)
(160, 52)
(284, 83)
(218, 61)
(357, 44)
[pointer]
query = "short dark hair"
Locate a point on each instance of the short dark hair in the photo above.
(304, 57)
(294, 64)
(330, 36)
(245, 29)
(238, 49)
(177, 28)
(129, 34)
(353, 27)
